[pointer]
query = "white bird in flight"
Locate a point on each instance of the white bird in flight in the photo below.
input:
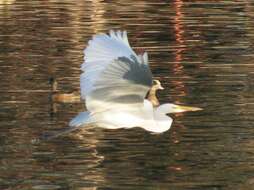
(114, 84)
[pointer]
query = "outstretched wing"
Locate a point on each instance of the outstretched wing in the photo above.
(114, 76)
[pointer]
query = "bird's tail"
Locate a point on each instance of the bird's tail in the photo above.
(81, 120)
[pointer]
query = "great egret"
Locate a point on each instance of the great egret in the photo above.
(114, 84)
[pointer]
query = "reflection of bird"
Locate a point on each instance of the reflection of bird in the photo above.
(56, 96)
(115, 83)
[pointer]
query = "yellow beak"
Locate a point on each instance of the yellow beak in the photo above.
(179, 109)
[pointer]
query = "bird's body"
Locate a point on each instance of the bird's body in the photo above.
(150, 118)
(114, 84)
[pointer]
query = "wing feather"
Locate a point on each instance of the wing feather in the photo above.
(114, 76)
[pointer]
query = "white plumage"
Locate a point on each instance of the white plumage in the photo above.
(101, 50)
(114, 84)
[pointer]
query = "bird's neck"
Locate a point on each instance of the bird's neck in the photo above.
(161, 122)
(152, 97)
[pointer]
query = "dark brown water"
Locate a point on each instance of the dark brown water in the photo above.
(202, 51)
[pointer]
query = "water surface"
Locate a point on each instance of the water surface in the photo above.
(202, 51)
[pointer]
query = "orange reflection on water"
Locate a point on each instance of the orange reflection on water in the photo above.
(179, 31)
(178, 26)
(178, 68)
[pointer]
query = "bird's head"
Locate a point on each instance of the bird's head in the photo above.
(157, 85)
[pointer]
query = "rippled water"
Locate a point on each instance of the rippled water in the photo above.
(202, 51)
